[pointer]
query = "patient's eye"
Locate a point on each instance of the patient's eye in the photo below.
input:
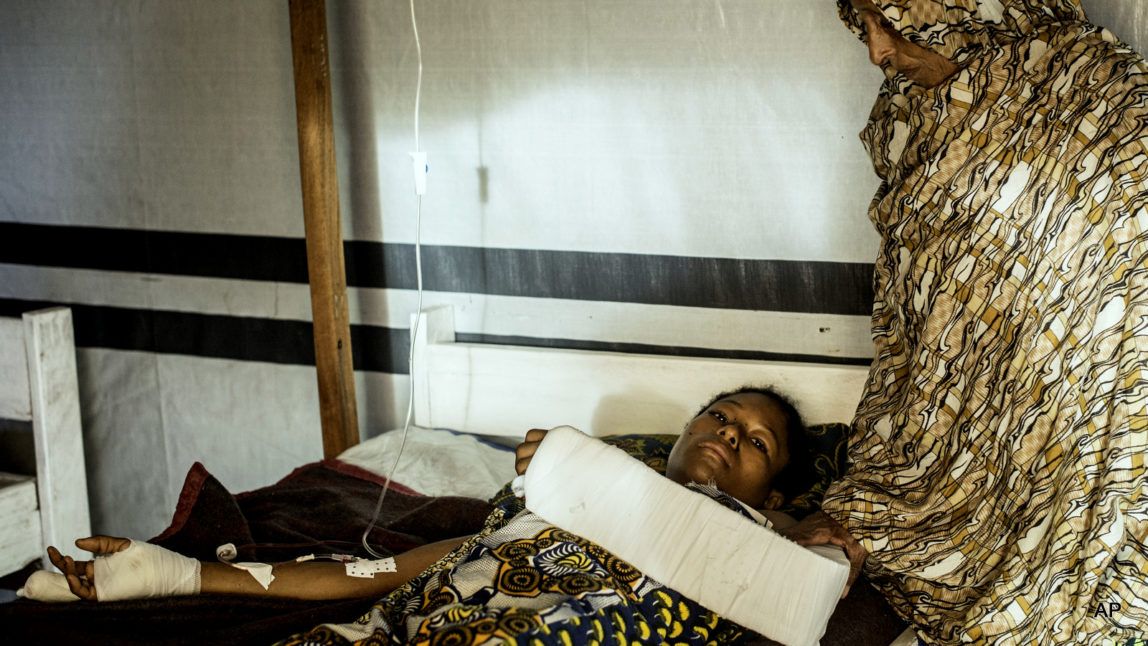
(719, 416)
(760, 444)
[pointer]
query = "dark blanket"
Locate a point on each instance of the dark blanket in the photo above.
(319, 508)
(322, 507)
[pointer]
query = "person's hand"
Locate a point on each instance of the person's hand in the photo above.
(81, 574)
(525, 451)
(819, 529)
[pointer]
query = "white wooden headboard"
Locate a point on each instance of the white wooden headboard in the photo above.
(38, 384)
(506, 390)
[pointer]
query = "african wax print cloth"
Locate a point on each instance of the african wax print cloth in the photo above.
(998, 451)
(522, 581)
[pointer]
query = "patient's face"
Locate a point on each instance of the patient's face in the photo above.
(740, 443)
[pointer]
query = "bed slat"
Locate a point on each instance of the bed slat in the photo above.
(20, 538)
(61, 479)
(14, 401)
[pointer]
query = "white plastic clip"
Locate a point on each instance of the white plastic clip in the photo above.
(419, 165)
(226, 552)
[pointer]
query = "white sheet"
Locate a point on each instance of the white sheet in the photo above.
(437, 462)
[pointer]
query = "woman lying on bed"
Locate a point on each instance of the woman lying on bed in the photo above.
(749, 443)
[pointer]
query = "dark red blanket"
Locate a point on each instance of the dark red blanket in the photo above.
(322, 507)
(319, 508)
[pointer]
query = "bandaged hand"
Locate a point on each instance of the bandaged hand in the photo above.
(123, 569)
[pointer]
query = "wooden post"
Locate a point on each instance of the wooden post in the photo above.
(324, 231)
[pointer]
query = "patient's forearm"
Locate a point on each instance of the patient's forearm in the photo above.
(322, 579)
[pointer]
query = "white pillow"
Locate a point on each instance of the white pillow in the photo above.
(437, 462)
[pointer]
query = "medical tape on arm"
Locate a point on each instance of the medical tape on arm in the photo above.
(365, 569)
(684, 539)
(358, 567)
(261, 572)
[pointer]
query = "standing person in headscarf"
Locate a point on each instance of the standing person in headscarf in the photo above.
(999, 449)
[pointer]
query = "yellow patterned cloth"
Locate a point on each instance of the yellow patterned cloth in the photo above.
(524, 582)
(999, 450)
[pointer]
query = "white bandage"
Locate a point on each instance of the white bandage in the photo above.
(141, 571)
(47, 586)
(684, 539)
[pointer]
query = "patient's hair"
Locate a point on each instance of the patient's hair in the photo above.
(797, 475)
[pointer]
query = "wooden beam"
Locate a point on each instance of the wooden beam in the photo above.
(324, 231)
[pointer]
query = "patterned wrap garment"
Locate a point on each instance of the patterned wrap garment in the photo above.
(522, 581)
(999, 449)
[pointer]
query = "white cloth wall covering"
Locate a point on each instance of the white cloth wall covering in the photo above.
(672, 178)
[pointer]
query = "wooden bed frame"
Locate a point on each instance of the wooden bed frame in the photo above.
(506, 390)
(474, 387)
(38, 385)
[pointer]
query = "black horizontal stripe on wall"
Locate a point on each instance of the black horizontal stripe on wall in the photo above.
(726, 283)
(155, 252)
(373, 348)
(745, 284)
(662, 350)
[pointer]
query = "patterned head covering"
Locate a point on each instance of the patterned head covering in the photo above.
(959, 29)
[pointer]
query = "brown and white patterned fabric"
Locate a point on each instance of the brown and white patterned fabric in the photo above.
(999, 451)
